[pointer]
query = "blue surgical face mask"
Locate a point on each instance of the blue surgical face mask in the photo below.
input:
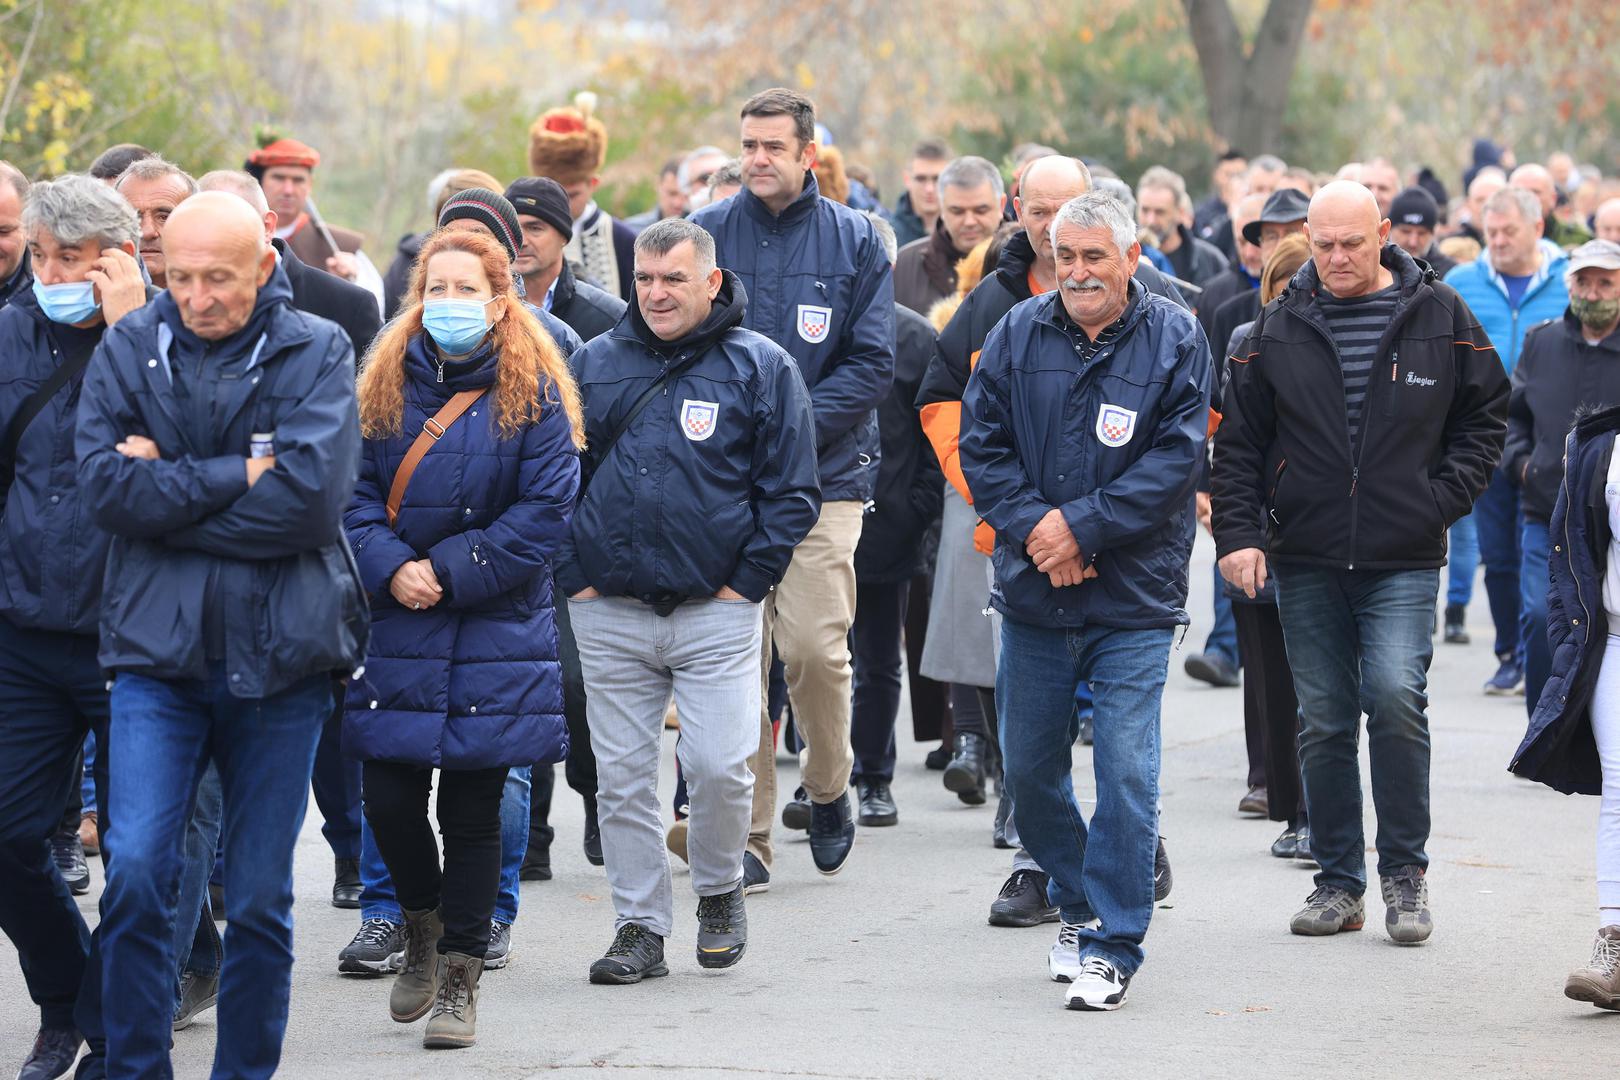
(456, 326)
(71, 302)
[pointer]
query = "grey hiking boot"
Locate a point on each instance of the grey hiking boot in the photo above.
(1599, 980)
(417, 982)
(636, 953)
(1406, 902)
(1329, 910)
(722, 929)
(454, 1021)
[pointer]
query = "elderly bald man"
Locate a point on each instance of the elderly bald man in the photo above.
(1539, 182)
(217, 443)
(1364, 415)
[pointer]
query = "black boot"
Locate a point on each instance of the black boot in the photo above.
(1456, 624)
(593, 835)
(346, 884)
(966, 772)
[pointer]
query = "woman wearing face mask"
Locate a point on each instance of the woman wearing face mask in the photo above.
(454, 531)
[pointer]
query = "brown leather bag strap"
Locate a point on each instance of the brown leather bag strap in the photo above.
(432, 432)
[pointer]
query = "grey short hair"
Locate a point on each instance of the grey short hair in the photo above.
(1514, 200)
(1098, 209)
(75, 209)
(1167, 179)
(972, 172)
(683, 175)
(885, 233)
(1119, 191)
(12, 175)
(1267, 163)
(728, 173)
(238, 183)
(662, 237)
(155, 168)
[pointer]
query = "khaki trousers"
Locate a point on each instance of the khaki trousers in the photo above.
(808, 616)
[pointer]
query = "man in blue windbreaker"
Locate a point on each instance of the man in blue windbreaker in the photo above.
(217, 443)
(820, 286)
(701, 480)
(1083, 431)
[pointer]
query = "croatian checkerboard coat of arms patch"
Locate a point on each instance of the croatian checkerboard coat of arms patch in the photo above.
(698, 419)
(1115, 425)
(814, 322)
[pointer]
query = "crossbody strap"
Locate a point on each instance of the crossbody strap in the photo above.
(669, 375)
(35, 404)
(432, 432)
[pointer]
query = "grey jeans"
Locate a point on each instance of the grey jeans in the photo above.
(707, 653)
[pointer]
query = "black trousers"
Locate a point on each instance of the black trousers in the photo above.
(580, 768)
(874, 639)
(396, 798)
(1270, 709)
(930, 706)
(336, 782)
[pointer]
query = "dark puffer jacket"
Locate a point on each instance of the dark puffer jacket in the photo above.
(472, 682)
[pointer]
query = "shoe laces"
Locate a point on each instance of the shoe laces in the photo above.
(375, 932)
(1069, 935)
(455, 992)
(714, 913)
(629, 936)
(1606, 954)
(1327, 896)
(50, 1040)
(1407, 892)
(1097, 968)
(417, 948)
(1022, 881)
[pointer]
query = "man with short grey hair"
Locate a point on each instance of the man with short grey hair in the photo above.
(700, 480)
(154, 187)
(1164, 209)
(1093, 534)
(971, 196)
(696, 173)
(14, 272)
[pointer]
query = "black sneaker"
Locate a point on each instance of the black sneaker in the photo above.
(832, 834)
(378, 949)
(722, 929)
(593, 835)
(1162, 878)
(346, 884)
(877, 803)
(67, 852)
(1023, 901)
(937, 758)
(756, 878)
(536, 863)
(636, 953)
(499, 952)
(52, 1055)
(796, 814)
(198, 993)
(1456, 625)
(1088, 730)
(1212, 668)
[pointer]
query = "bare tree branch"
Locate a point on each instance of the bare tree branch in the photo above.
(22, 64)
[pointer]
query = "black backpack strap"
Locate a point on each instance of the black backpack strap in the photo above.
(35, 404)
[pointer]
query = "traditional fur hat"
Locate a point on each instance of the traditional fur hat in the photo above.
(568, 143)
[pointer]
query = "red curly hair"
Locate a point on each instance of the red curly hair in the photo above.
(530, 370)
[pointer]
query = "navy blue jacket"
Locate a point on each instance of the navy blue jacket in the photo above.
(714, 484)
(1116, 444)
(473, 682)
(51, 552)
(291, 600)
(1559, 749)
(819, 284)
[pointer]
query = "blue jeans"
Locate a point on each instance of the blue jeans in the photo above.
(337, 790)
(1496, 518)
(1463, 563)
(1104, 869)
(196, 942)
(1361, 641)
(165, 734)
(1533, 611)
(1223, 638)
(87, 790)
(377, 889)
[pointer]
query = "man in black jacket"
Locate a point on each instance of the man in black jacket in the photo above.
(217, 443)
(1364, 342)
(702, 480)
(1566, 367)
(551, 285)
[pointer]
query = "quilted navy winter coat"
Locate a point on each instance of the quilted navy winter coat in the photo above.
(474, 681)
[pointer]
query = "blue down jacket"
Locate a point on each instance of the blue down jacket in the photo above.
(474, 681)
(1116, 443)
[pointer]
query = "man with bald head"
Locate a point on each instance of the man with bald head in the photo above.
(1606, 221)
(1027, 268)
(1539, 182)
(217, 443)
(1365, 413)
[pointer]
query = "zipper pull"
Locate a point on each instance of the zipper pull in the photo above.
(1355, 475)
(441, 371)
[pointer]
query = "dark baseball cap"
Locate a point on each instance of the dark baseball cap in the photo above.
(1284, 206)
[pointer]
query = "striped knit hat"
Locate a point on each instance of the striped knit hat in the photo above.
(489, 208)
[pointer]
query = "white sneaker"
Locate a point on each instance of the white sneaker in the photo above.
(1064, 960)
(1098, 988)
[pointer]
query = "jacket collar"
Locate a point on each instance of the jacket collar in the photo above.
(1017, 256)
(1574, 333)
(1551, 266)
(730, 305)
(795, 212)
(1052, 312)
(473, 372)
(18, 283)
(563, 289)
(1409, 274)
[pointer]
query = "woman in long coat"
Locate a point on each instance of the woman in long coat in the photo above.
(463, 673)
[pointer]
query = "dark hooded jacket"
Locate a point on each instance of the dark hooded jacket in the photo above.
(587, 310)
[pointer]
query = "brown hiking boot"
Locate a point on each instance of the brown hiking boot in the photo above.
(1599, 981)
(455, 1005)
(414, 986)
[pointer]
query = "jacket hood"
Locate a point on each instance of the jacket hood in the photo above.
(730, 304)
(275, 292)
(1408, 273)
(797, 210)
(1017, 255)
